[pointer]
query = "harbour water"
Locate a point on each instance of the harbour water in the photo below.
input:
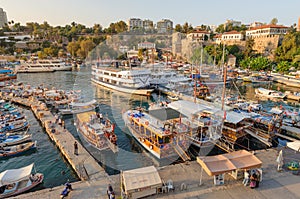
(130, 155)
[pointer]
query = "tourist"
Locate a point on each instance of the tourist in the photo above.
(258, 177)
(253, 180)
(75, 148)
(68, 185)
(64, 193)
(109, 191)
(246, 178)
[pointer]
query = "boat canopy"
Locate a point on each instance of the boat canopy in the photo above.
(294, 145)
(5, 71)
(164, 114)
(225, 163)
(234, 118)
(83, 104)
(15, 175)
(188, 108)
(141, 178)
(276, 111)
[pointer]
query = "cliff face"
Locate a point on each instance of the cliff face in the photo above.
(267, 45)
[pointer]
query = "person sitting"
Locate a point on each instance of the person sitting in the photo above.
(253, 181)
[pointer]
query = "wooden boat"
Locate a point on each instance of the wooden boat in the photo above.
(14, 140)
(14, 126)
(160, 132)
(17, 181)
(269, 93)
(10, 151)
(97, 130)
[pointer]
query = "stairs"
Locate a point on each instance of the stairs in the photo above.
(181, 152)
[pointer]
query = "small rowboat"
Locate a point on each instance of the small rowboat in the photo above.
(16, 150)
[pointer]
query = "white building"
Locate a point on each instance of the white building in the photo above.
(164, 26)
(146, 45)
(266, 31)
(199, 35)
(256, 24)
(3, 18)
(232, 36)
(134, 23)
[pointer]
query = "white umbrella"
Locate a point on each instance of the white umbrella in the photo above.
(279, 161)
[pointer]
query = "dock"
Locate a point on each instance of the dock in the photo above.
(86, 167)
(186, 180)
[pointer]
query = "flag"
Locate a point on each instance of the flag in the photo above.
(224, 115)
(180, 119)
(112, 127)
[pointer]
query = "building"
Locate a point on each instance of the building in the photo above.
(232, 36)
(266, 38)
(298, 27)
(164, 26)
(256, 24)
(134, 23)
(266, 31)
(234, 23)
(3, 18)
(198, 35)
(148, 24)
(146, 45)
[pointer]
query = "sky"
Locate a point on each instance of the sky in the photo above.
(195, 12)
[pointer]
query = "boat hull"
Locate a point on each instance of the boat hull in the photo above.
(146, 92)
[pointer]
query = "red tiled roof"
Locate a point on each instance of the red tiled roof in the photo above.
(232, 32)
(200, 31)
(268, 26)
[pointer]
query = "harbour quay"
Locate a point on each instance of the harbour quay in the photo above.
(86, 167)
(186, 181)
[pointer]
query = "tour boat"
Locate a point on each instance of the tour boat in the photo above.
(97, 130)
(207, 121)
(128, 80)
(43, 65)
(160, 132)
(17, 181)
(269, 93)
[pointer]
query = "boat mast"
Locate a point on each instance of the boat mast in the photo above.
(224, 69)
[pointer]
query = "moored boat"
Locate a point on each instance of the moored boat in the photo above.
(133, 80)
(78, 107)
(269, 93)
(14, 139)
(15, 150)
(160, 132)
(97, 130)
(17, 181)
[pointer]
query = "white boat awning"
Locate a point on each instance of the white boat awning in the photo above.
(294, 145)
(233, 117)
(15, 175)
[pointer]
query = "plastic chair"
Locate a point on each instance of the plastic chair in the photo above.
(170, 185)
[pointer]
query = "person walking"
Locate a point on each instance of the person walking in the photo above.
(246, 178)
(75, 148)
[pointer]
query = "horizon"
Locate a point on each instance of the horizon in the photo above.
(61, 13)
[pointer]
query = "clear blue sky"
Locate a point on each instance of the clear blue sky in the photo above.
(196, 12)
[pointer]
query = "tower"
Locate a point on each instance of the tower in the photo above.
(298, 27)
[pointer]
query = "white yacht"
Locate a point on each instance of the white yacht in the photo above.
(43, 65)
(128, 80)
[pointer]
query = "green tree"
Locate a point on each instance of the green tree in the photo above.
(283, 66)
(248, 51)
(274, 21)
(73, 48)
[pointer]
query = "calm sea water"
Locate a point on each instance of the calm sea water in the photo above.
(48, 159)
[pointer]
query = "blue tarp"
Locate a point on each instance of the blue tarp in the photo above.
(5, 71)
